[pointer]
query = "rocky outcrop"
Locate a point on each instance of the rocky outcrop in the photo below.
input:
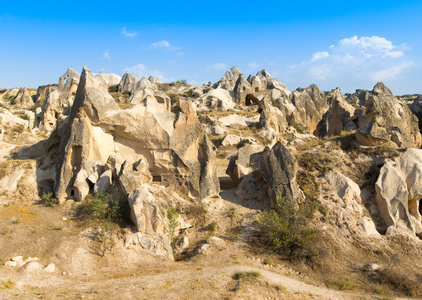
(228, 81)
(241, 90)
(358, 98)
(83, 146)
(311, 104)
(25, 100)
(215, 99)
(388, 119)
(173, 146)
(59, 100)
(271, 119)
(110, 79)
(340, 117)
(127, 83)
(279, 167)
(245, 162)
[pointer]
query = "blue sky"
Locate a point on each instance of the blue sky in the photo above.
(349, 45)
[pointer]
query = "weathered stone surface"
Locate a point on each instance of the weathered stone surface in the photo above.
(103, 183)
(241, 90)
(338, 118)
(59, 100)
(215, 99)
(145, 213)
(392, 196)
(127, 83)
(82, 143)
(228, 81)
(279, 167)
(383, 111)
(311, 104)
(50, 268)
(358, 98)
(131, 178)
(245, 162)
(110, 79)
(271, 117)
(25, 100)
(33, 266)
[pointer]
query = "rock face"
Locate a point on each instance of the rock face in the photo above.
(83, 146)
(388, 119)
(215, 99)
(311, 104)
(241, 90)
(399, 190)
(173, 146)
(127, 83)
(228, 81)
(245, 162)
(271, 119)
(25, 100)
(59, 100)
(340, 117)
(110, 79)
(358, 98)
(279, 167)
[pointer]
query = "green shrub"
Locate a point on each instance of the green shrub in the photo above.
(342, 284)
(287, 232)
(48, 200)
(172, 223)
(250, 274)
(102, 206)
(113, 89)
(25, 117)
(212, 226)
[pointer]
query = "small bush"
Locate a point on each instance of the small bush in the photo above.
(113, 89)
(25, 117)
(101, 206)
(48, 200)
(287, 232)
(172, 223)
(212, 226)
(267, 261)
(58, 226)
(250, 274)
(342, 284)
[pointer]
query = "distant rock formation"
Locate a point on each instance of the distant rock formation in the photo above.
(388, 119)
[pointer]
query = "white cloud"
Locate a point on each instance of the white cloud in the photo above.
(129, 34)
(179, 54)
(253, 65)
(353, 63)
(141, 70)
(106, 54)
(163, 44)
(217, 67)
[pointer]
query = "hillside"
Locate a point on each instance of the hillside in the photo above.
(118, 188)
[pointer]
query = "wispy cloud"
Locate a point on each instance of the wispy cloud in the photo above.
(354, 63)
(129, 34)
(163, 44)
(253, 65)
(217, 67)
(106, 54)
(141, 70)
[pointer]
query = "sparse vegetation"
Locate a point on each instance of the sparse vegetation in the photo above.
(101, 206)
(172, 223)
(342, 284)
(250, 274)
(287, 232)
(102, 238)
(25, 117)
(212, 226)
(7, 284)
(58, 226)
(48, 200)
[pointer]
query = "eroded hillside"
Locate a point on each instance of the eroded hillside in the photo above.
(124, 188)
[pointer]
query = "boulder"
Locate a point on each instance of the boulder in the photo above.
(132, 176)
(230, 140)
(279, 167)
(271, 118)
(383, 111)
(50, 268)
(103, 183)
(245, 162)
(33, 266)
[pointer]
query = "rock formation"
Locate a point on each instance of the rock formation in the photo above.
(388, 119)
(127, 83)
